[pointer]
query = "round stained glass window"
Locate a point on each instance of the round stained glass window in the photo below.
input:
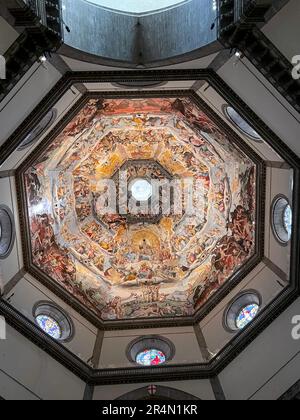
(150, 350)
(241, 124)
(282, 219)
(287, 219)
(246, 315)
(49, 326)
(242, 310)
(151, 357)
(54, 321)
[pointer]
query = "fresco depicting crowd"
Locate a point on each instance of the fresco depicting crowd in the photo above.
(122, 270)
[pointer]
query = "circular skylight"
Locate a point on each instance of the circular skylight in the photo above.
(141, 189)
(151, 357)
(137, 6)
(241, 124)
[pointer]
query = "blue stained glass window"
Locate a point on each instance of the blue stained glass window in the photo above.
(247, 314)
(151, 357)
(287, 220)
(49, 326)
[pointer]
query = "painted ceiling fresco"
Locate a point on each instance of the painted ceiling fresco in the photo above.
(128, 264)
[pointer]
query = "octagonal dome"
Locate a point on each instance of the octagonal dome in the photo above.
(121, 265)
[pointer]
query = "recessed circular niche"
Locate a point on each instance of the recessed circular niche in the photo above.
(35, 134)
(7, 231)
(141, 189)
(234, 117)
(282, 218)
(242, 311)
(53, 321)
(150, 351)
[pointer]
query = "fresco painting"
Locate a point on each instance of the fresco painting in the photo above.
(122, 268)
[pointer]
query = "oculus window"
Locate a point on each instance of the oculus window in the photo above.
(246, 315)
(242, 311)
(151, 357)
(150, 351)
(141, 189)
(282, 219)
(49, 326)
(53, 321)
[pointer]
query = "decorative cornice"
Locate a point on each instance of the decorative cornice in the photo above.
(208, 75)
(135, 374)
(33, 333)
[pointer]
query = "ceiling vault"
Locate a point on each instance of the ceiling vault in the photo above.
(236, 277)
(288, 295)
(97, 270)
